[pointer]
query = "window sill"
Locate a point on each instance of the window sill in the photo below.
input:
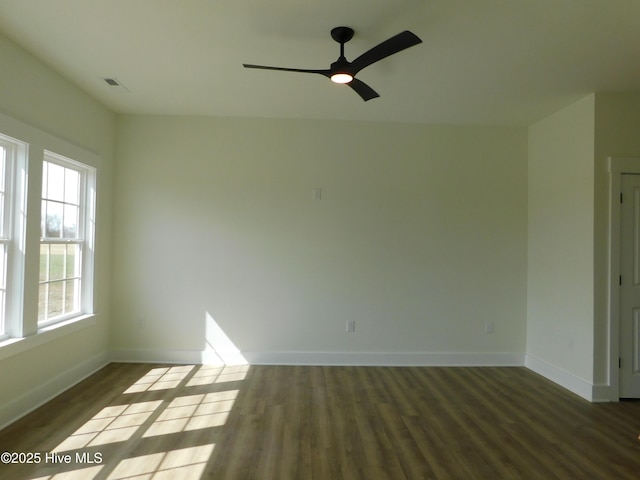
(14, 346)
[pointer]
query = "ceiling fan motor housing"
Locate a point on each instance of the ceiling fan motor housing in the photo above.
(342, 34)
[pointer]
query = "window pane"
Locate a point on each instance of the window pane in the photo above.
(43, 218)
(73, 261)
(71, 303)
(53, 219)
(3, 292)
(45, 176)
(42, 302)
(2, 164)
(2, 216)
(57, 262)
(59, 280)
(71, 186)
(54, 299)
(44, 263)
(55, 182)
(3, 295)
(70, 221)
(70, 261)
(3, 253)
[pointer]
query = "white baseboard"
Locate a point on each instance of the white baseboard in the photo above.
(604, 393)
(320, 358)
(37, 396)
(577, 385)
(156, 356)
(385, 359)
(195, 357)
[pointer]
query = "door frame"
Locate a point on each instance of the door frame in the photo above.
(617, 167)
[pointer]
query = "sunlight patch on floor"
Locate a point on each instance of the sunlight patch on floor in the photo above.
(180, 463)
(154, 418)
(115, 423)
(194, 412)
(209, 374)
(81, 474)
(161, 379)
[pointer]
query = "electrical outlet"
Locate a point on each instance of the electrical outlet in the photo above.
(351, 326)
(140, 323)
(489, 328)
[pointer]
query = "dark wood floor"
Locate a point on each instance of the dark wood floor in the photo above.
(136, 421)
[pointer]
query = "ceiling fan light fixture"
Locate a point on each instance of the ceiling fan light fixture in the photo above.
(341, 77)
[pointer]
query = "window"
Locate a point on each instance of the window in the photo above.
(12, 156)
(47, 224)
(5, 157)
(66, 233)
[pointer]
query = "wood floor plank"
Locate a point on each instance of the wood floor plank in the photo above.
(314, 422)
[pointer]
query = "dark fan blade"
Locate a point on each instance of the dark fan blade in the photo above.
(362, 89)
(393, 45)
(283, 69)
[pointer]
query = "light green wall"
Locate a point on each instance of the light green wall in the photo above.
(420, 235)
(35, 95)
(560, 289)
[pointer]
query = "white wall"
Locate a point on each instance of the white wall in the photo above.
(617, 135)
(420, 237)
(568, 324)
(560, 281)
(33, 94)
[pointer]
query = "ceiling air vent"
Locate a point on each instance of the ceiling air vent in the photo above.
(115, 84)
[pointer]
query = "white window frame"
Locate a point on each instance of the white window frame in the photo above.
(14, 236)
(6, 160)
(22, 331)
(85, 240)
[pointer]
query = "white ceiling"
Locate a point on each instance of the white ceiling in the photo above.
(493, 62)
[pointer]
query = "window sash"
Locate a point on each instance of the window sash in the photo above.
(68, 204)
(60, 282)
(8, 149)
(4, 248)
(65, 192)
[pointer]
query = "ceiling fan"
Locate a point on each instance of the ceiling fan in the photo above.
(343, 71)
